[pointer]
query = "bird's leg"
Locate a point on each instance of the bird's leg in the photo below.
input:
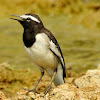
(48, 89)
(34, 90)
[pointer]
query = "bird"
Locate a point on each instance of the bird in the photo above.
(43, 49)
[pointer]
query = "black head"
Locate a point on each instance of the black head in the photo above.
(29, 21)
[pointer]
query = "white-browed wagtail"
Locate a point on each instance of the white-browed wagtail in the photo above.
(42, 48)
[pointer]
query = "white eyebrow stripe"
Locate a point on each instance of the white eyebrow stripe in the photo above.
(29, 16)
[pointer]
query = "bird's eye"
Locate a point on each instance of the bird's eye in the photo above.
(28, 19)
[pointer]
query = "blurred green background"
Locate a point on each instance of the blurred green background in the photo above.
(74, 23)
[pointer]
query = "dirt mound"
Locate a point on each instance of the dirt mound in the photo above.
(2, 96)
(64, 92)
(84, 87)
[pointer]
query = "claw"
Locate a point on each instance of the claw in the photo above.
(34, 91)
(47, 91)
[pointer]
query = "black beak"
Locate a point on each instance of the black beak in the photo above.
(18, 18)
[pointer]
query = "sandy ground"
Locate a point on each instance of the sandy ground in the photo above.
(83, 87)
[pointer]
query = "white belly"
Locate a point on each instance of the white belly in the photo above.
(41, 54)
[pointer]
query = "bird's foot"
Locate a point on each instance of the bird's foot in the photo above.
(47, 91)
(33, 90)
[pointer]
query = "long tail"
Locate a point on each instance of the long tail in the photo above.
(59, 79)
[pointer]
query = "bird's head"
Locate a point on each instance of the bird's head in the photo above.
(29, 20)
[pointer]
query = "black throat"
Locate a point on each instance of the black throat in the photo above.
(30, 34)
(29, 37)
(30, 31)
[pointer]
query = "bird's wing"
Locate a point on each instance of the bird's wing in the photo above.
(55, 48)
(56, 51)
